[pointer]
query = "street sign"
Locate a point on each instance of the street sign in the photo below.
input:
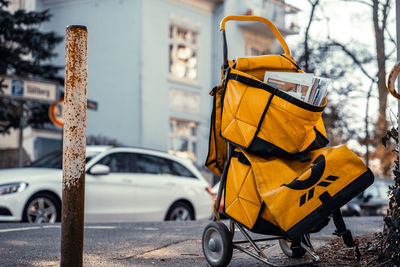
(91, 104)
(56, 113)
(25, 89)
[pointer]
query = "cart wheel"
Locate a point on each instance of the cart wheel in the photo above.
(291, 250)
(217, 244)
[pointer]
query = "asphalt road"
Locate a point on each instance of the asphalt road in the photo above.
(136, 244)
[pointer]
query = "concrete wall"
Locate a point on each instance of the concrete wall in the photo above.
(157, 17)
(114, 57)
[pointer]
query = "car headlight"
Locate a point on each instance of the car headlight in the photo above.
(12, 188)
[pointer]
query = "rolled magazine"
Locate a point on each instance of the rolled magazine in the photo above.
(304, 86)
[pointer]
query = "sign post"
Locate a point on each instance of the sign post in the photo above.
(22, 90)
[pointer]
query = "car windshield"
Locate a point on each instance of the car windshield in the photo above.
(54, 160)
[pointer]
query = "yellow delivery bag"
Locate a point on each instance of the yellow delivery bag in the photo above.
(257, 117)
(286, 196)
(264, 120)
(217, 147)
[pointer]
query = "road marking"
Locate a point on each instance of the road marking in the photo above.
(50, 227)
(150, 229)
(19, 229)
(100, 227)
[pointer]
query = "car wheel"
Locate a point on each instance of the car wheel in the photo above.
(180, 211)
(42, 208)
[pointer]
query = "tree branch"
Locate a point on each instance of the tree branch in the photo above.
(359, 1)
(353, 57)
(306, 35)
(390, 37)
(385, 12)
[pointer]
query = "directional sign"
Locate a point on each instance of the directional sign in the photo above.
(25, 89)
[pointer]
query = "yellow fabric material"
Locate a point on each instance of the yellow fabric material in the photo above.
(248, 186)
(242, 201)
(217, 146)
(285, 125)
(258, 65)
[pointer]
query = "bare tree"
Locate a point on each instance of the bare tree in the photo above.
(316, 52)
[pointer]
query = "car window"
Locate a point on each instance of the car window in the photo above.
(180, 170)
(383, 189)
(52, 160)
(148, 164)
(158, 165)
(372, 190)
(90, 155)
(119, 162)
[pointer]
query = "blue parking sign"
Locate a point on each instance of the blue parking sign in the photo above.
(17, 88)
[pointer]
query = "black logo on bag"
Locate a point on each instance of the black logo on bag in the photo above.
(314, 175)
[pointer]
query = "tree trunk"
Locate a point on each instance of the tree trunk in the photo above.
(381, 124)
(307, 51)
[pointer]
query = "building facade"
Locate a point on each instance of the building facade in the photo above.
(152, 63)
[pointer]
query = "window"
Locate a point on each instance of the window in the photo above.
(119, 162)
(148, 164)
(157, 165)
(182, 53)
(255, 51)
(180, 170)
(184, 101)
(183, 138)
(256, 45)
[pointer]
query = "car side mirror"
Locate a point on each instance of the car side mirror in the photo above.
(99, 169)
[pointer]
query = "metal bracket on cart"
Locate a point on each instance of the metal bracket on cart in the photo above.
(272, 261)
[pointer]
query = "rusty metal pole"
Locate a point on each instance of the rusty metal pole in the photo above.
(74, 146)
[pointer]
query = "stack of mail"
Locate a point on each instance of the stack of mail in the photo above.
(304, 86)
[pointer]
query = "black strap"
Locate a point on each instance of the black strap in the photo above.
(241, 158)
(298, 68)
(225, 47)
(258, 84)
(345, 233)
(302, 157)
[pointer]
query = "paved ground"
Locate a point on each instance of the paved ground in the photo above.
(136, 244)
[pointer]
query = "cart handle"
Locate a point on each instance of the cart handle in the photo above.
(392, 78)
(252, 18)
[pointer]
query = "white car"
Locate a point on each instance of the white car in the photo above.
(122, 184)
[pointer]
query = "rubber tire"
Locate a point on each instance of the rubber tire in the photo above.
(49, 197)
(297, 252)
(180, 205)
(227, 246)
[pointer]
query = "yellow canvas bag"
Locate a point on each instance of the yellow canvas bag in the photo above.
(261, 119)
(293, 197)
(266, 121)
(294, 130)
(216, 146)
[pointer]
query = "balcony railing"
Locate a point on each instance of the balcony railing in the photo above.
(278, 12)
